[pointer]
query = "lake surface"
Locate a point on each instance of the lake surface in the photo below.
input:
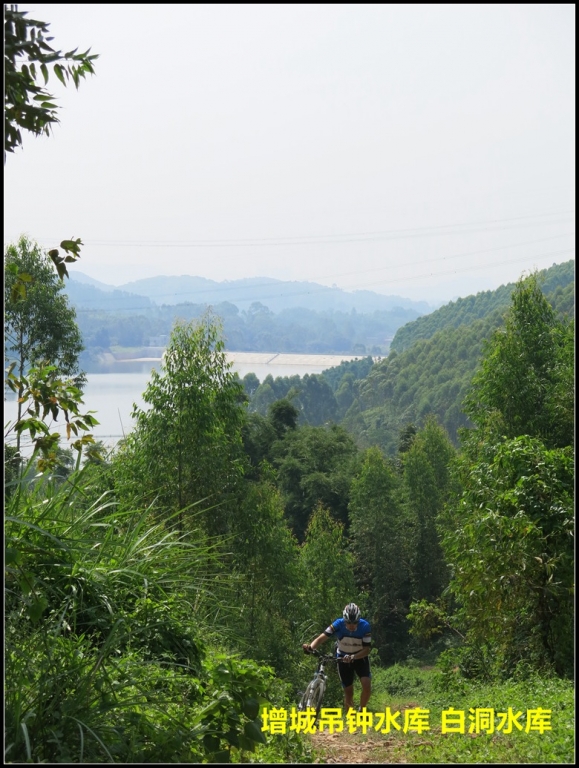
(112, 394)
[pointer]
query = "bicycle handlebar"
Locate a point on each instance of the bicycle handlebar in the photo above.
(322, 656)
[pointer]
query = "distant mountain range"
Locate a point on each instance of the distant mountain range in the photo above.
(277, 295)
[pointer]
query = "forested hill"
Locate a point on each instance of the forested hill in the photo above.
(434, 374)
(557, 281)
(298, 317)
(431, 376)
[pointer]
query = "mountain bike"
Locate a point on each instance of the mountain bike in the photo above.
(316, 688)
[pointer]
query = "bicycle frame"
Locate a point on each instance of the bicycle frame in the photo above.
(314, 694)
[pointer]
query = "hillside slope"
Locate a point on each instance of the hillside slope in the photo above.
(558, 278)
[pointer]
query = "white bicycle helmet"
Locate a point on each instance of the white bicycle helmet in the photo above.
(352, 613)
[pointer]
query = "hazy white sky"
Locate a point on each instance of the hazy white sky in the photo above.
(420, 150)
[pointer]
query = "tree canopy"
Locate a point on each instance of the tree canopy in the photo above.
(39, 325)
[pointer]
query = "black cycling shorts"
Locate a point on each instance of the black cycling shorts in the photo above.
(346, 671)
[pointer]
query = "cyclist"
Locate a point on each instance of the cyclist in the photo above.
(353, 635)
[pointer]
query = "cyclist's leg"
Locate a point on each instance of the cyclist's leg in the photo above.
(363, 672)
(366, 691)
(346, 673)
(348, 697)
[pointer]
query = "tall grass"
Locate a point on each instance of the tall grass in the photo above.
(104, 655)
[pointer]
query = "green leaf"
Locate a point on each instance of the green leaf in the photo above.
(253, 731)
(211, 742)
(246, 743)
(72, 245)
(58, 71)
(232, 737)
(37, 608)
(17, 293)
(250, 708)
(219, 757)
(12, 556)
(26, 582)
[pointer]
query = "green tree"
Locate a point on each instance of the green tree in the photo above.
(316, 400)
(327, 568)
(379, 538)
(186, 445)
(42, 325)
(508, 533)
(315, 465)
(526, 380)
(283, 416)
(266, 574)
(27, 57)
(509, 540)
(39, 324)
(426, 473)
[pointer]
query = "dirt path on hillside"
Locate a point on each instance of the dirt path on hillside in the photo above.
(351, 748)
(371, 747)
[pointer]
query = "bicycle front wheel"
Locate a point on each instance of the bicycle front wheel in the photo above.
(316, 697)
(307, 696)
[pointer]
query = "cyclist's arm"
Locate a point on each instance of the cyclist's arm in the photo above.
(362, 653)
(319, 640)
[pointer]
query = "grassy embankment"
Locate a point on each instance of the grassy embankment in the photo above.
(402, 688)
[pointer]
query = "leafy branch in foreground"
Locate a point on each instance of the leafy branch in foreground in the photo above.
(42, 393)
(43, 342)
(27, 103)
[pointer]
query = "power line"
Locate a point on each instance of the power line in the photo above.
(343, 240)
(329, 238)
(484, 266)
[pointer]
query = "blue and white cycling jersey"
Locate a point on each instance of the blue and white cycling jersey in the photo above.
(349, 641)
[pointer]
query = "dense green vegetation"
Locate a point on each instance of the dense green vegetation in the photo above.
(130, 321)
(157, 596)
(256, 329)
(557, 280)
(165, 589)
(430, 377)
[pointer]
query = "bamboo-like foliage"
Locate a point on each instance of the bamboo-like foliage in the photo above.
(105, 659)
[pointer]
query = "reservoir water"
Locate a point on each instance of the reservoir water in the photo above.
(111, 395)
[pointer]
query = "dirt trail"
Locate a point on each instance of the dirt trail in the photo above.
(351, 748)
(371, 747)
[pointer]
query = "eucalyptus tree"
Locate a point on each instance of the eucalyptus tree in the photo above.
(328, 572)
(379, 538)
(526, 381)
(314, 464)
(266, 578)
(427, 485)
(186, 446)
